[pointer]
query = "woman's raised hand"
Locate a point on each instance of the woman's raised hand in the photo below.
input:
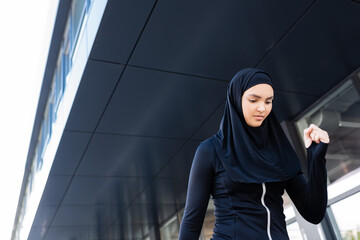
(316, 134)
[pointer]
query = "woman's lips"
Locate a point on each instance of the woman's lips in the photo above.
(259, 117)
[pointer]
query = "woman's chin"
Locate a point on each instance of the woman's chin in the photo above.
(255, 124)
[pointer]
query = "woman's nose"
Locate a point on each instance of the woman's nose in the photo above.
(261, 108)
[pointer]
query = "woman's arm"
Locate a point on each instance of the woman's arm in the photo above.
(199, 189)
(310, 197)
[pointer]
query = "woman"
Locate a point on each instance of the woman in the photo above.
(248, 164)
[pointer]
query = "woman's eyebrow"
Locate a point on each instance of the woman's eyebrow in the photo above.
(257, 96)
(254, 95)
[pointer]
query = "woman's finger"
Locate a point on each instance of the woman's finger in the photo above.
(319, 135)
(317, 138)
(312, 135)
(314, 127)
(316, 134)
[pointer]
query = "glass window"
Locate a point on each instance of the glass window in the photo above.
(292, 225)
(294, 232)
(77, 11)
(288, 208)
(339, 114)
(88, 4)
(347, 217)
(66, 50)
(170, 230)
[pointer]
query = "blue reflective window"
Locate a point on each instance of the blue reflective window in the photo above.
(78, 10)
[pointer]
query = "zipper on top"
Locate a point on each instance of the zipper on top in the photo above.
(267, 210)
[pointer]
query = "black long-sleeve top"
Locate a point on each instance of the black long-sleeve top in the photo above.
(250, 210)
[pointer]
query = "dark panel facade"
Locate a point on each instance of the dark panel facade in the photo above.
(154, 87)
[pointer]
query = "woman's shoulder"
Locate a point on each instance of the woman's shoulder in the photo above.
(207, 146)
(206, 151)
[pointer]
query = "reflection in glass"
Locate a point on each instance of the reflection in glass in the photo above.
(292, 226)
(347, 216)
(294, 232)
(339, 115)
(288, 208)
(171, 229)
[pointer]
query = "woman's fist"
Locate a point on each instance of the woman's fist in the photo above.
(316, 134)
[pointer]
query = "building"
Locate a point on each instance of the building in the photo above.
(131, 87)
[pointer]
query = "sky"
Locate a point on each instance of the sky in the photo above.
(26, 28)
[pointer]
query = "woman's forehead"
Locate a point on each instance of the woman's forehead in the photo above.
(260, 90)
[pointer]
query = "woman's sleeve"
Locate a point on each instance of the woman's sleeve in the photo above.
(310, 197)
(198, 193)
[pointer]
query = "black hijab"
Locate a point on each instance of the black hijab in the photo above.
(253, 154)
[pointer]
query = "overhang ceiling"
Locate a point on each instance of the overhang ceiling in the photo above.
(154, 87)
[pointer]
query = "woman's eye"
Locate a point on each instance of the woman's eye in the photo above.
(252, 100)
(268, 102)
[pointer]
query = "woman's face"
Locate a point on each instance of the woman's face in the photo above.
(257, 104)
